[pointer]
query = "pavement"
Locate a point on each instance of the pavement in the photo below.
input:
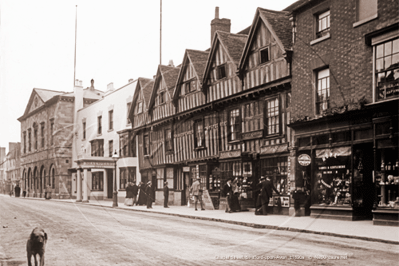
(362, 230)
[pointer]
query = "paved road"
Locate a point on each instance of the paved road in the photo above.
(89, 235)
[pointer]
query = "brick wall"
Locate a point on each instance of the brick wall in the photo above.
(345, 52)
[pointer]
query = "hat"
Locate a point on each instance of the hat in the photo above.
(262, 177)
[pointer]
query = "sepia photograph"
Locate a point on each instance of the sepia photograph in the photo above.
(215, 132)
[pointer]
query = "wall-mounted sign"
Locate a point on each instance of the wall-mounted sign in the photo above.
(252, 135)
(229, 154)
(304, 159)
(186, 169)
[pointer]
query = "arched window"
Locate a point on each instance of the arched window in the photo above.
(42, 178)
(53, 178)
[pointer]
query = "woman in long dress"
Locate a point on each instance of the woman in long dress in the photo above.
(142, 194)
(235, 203)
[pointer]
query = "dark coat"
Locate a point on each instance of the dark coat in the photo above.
(129, 192)
(135, 190)
(149, 193)
(143, 195)
(267, 190)
(166, 191)
(227, 190)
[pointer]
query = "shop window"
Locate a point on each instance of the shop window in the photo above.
(203, 175)
(97, 147)
(264, 55)
(363, 134)
(323, 24)
(321, 139)
(323, 90)
(304, 142)
(333, 178)
(99, 125)
(127, 175)
(97, 181)
(234, 125)
(170, 177)
(276, 169)
(146, 144)
(382, 128)
(168, 140)
(199, 137)
(272, 116)
(341, 136)
(111, 120)
(160, 178)
(366, 9)
(387, 69)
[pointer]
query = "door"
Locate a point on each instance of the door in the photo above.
(110, 183)
(186, 188)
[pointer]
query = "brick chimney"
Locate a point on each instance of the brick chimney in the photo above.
(171, 63)
(110, 87)
(219, 24)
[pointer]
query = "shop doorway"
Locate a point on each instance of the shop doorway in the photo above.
(363, 187)
(110, 185)
(186, 188)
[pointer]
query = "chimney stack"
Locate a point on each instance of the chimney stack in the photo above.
(131, 80)
(223, 24)
(110, 86)
(171, 63)
(92, 85)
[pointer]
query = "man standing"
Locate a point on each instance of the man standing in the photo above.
(165, 195)
(228, 192)
(197, 192)
(266, 193)
(135, 190)
(149, 195)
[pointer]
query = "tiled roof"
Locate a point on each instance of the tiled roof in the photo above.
(234, 44)
(199, 60)
(147, 90)
(47, 94)
(296, 5)
(170, 75)
(245, 31)
(281, 25)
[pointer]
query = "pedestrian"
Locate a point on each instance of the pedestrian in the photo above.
(149, 195)
(165, 195)
(24, 193)
(135, 190)
(197, 193)
(129, 195)
(228, 192)
(235, 202)
(266, 193)
(17, 191)
(143, 194)
(48, 192)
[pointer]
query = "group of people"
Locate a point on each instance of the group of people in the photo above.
(231, 191)
(17, 192)
(144, 192)
(266, 188)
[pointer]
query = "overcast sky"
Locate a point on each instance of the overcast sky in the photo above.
(116, 41)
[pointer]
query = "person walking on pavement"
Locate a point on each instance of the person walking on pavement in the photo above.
(129, 195)
(149, 195)
(135, 190)
(142, 194)
(197, 193)
(17, 191)
(47, 194)
(266, 192)
(228, 192)
(165, 195)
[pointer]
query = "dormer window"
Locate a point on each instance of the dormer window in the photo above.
(139, 107)
(323, 24)
(264, 55)
(188, 87)
(161, 98)
(221, 71)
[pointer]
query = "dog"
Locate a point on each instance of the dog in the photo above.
(36, 245)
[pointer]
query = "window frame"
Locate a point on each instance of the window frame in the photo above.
(260, 55)
(97, 148)
(35, 136)
(320, 33)
(168, 141)
(318, 111)
(110, 147)
(202, 123)
(97, 178)
(24, 134)
(99, 125)
(277, 126)
(111, 120)
(219, 72)
(161, 96)
(360, 19)
(42, 133)
(146, 146)
(238, 124)
(139, 107)
(84, 130)
(128, 174)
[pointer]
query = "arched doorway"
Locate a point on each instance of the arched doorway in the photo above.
(42, 179)
(36, 181)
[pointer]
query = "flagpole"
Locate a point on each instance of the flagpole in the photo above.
(76, 29)
(160, 35)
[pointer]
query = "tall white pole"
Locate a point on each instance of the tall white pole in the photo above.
(76, 30)
(160, 35)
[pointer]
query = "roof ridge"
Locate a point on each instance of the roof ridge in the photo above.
(50, 90)
(274, 11)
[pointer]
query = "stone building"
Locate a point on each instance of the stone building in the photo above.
(46, 141)
(345, 89)
(13, 164)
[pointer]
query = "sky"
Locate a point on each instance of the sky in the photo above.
(116, 41)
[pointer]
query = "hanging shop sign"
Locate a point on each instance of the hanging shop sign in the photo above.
(304, 159)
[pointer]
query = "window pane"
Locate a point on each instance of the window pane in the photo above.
(380, 50)
(395, 59)
(379, 64)
(388, 48)
(395, 44)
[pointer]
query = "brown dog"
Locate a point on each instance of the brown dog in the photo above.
(36, 245)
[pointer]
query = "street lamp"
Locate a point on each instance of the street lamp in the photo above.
(115, 193)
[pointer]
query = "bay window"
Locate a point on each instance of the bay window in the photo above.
(272, 116)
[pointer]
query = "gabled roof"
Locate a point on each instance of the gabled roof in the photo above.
(232, 43)
(296, 5)
(143, 85)
(198, 59)
(278, 23)
(169, 75)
